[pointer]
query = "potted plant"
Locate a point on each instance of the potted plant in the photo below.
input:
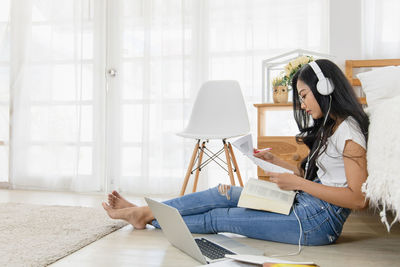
(282, 83)
(280, 89)
(293, 66)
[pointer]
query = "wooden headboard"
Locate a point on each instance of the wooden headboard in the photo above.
(369, 63)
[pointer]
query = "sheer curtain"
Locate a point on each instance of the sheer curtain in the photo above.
(56, 133)
(98, 88)
(171, 48)
(4, 89)
(381, 29)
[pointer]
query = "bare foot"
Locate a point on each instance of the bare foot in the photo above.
(133, 215)
(116, 201)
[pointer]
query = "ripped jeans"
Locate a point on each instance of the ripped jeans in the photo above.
(215, 210)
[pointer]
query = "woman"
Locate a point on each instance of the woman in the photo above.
(329, 180)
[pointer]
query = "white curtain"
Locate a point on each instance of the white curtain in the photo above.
(4, 89)
(56, 130)
(381, 29)
(98, 88)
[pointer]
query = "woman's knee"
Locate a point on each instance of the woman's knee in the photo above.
(223, 190)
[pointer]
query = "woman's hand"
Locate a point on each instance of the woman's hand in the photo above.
(263, 154)
(285, 180)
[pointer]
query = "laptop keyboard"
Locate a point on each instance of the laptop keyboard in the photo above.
(211, 250)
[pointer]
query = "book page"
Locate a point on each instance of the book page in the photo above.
(245, 145)
(265, 189)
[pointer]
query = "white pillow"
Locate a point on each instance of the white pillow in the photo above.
(380, 84)
(383, 183)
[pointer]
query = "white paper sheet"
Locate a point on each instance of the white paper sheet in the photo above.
(245, 145)
(262, 259)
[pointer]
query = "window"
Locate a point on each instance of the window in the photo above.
(76, 127)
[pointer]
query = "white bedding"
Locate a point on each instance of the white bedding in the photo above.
(382, 187)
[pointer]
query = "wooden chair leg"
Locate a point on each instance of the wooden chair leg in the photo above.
(235, 164)
(189, 169)
(228, 161)
(196, 179)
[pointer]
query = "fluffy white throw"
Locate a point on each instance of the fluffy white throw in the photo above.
(382, 187)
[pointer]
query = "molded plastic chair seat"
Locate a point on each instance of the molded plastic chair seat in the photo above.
(207, 136)
(219, 112)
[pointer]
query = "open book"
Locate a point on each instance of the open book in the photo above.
(260, 194)
(264, 195)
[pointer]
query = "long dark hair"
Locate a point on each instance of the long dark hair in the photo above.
(344, 104)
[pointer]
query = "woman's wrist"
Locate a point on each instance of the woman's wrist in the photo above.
(301, 183)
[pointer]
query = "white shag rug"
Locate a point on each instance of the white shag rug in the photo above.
(36, 235)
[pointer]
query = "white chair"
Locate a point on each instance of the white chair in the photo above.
(219, 112)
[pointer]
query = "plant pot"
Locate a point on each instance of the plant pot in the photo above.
(280, 94)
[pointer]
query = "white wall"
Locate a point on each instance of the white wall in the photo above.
(345, 30)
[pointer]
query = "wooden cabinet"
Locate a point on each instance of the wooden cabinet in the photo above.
(284, 147)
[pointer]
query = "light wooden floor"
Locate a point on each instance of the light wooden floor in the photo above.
(364, 241)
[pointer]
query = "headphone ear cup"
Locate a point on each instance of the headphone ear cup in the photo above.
(330, 86)
(325, 86)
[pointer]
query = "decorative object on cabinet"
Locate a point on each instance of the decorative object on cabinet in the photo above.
(293, 66)
(278, 63)
(280, 89)
(280, 94)
(281, 84)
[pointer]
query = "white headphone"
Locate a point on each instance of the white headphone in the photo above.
(324, 85)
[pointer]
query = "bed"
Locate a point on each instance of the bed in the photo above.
(355, 66)
(380, 90)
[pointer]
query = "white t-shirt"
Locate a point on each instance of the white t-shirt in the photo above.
(331, 165)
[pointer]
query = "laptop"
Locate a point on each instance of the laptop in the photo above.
(205, 249)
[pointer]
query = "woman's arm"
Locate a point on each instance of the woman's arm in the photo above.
(347, 197)
(284, 164)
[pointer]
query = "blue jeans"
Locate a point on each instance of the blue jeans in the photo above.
(211, 211)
